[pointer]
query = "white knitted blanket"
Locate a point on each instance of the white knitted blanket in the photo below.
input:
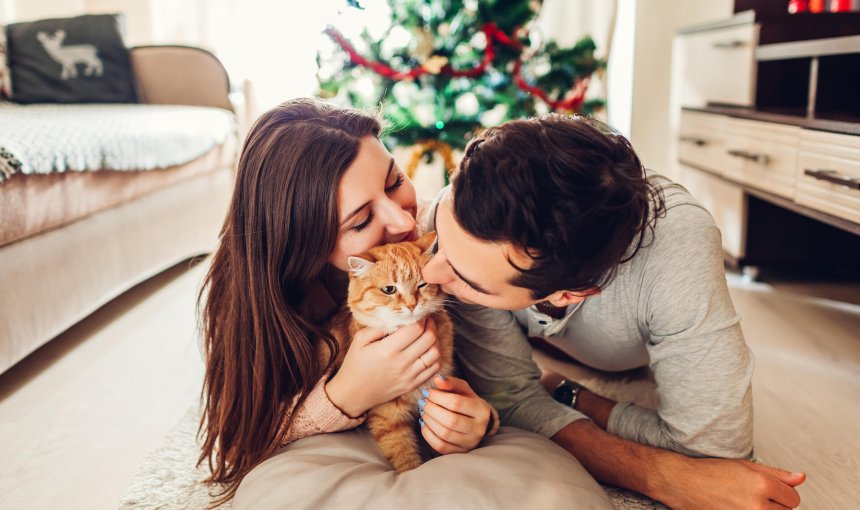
(47, 138)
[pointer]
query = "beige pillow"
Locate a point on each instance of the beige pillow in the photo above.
(515, 470)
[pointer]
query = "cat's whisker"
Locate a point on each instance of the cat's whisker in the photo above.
(452, 302)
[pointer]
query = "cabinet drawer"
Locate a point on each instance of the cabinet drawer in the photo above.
(719, 66)
(833, 160)
(726, 202)
(762, 155)
(702, 140)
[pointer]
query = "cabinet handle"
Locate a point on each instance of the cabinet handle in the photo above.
(752, 156)
(729, 45)
(834, 177)
(694, 140)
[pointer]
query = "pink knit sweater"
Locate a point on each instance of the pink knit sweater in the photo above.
(318, 415)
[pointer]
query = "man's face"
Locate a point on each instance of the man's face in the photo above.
(475, 271)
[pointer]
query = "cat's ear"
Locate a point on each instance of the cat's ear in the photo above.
(426, 241)
(359, 266)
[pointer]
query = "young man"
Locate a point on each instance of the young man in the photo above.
(552, 229)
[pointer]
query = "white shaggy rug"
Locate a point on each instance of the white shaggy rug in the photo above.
(169, 480)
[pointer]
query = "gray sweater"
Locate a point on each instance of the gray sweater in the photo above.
(668, 308)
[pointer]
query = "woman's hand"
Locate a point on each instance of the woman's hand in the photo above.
(454, 418)
(379, 368)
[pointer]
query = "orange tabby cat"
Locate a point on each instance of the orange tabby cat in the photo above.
(386, 291)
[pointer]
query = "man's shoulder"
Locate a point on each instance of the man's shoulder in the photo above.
(673, 193)
(428, 220)
(683, 234)
(682, 214)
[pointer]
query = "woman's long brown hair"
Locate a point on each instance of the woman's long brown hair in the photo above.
(280, 230)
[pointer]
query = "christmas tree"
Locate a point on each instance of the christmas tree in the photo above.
(445, 68)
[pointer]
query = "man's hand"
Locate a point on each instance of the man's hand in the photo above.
(679, 481)
(728, 483)
(454, 418)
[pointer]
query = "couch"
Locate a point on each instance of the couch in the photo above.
(70, 241)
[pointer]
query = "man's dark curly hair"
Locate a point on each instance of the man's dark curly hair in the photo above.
(568, 190)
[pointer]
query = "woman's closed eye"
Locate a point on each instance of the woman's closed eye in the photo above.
(361, 226)
(398, 181)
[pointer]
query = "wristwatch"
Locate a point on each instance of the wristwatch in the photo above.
(567, 392)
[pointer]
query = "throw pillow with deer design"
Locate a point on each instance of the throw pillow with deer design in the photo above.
(71, 60)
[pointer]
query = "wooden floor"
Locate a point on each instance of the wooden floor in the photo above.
(78, 416)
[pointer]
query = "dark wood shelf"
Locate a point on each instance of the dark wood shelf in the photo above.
(779, 26)
(806, 26)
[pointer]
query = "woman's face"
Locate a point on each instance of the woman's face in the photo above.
(375, 202)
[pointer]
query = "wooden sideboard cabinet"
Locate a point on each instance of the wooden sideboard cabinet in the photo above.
(769, 139)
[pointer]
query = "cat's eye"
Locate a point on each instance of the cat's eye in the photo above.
(422, 285)
(388, 289)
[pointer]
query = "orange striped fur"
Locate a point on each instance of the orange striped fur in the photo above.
(396, 267)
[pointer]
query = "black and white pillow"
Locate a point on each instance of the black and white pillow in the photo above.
(5, 76)
(71, 60)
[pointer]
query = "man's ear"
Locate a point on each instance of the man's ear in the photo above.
(563, 298)
(426, 241)
(359, 265)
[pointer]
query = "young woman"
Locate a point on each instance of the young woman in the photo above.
(314, 186)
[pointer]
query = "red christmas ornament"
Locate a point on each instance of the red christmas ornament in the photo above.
(840, 5)
(796, 6)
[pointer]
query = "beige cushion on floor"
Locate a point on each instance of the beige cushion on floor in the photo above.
(515, 470)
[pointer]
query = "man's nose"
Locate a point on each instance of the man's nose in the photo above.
(433, 270)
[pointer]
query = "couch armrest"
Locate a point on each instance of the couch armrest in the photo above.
(180, 75)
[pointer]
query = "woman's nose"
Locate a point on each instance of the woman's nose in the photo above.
(399, 220)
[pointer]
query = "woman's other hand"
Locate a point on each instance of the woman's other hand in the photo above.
(454, 418)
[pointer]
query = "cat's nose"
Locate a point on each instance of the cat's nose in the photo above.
(412, 307)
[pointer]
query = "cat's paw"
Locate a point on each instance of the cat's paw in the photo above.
(406, 463)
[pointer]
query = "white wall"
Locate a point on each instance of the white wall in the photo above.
(657, 21)
(22, 10)
(7, 11)
(619, 72)
(138, 12)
